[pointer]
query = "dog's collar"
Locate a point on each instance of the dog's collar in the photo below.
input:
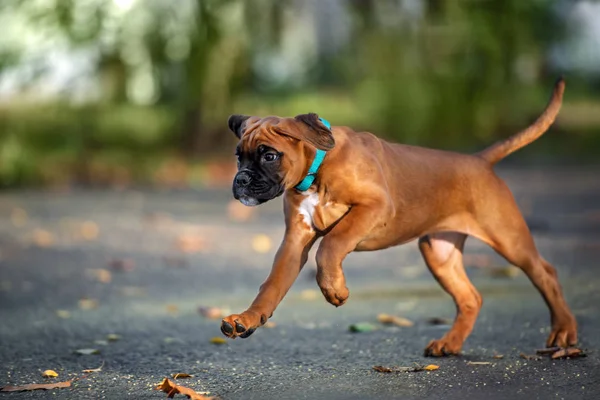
(314, 167)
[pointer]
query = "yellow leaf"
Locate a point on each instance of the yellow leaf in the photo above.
(431, 367)
(88, 304)
(49, 374)
(113, 337)
(218, 340)
(89, 230)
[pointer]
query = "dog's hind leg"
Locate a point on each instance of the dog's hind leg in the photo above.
(506, 231)
(443, 255)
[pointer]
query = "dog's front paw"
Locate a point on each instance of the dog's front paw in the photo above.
(337, 297)
(563, 335)
(442, 347)
(242, 325)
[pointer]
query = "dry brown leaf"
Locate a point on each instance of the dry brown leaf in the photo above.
(498, 356)
(479, 363)
(529, 357)
(394, 320)
(416, 368)
(169, 387)
(269, 325)
(88, 304)
(182, 375)
(36, 386)
(570, 352)
(547, 350)
(261, 243)
(49, 373)
(99, 369)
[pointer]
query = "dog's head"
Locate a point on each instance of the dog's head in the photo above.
(274, 154)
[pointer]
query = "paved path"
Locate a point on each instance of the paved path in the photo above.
(182, 251)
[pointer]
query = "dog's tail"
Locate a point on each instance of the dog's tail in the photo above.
(503, 148)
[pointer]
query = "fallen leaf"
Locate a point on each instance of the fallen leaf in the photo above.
(49, 374)
(479, 363)
(362, 327)
(547, 350)
(172, 389)
(213, 312)
(218, 340)
(498, 356)
(64, 314)
(261, 243)
(88, 304)
(99, 369)
(416, 368)
(394, 320)
(122, 265)
(439, 321)
(182, 375)
(529, 357)
(89, 230)
(269, 325)
(87, 352)
(36, 386)
(113, 337)
(570, 352)
(101, 342)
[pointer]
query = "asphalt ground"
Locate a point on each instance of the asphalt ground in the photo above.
(78, 265)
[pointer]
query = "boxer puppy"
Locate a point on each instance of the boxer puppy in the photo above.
(360, 193)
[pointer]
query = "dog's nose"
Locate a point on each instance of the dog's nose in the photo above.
(242, 179)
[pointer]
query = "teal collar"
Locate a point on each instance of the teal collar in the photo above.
(314, 167)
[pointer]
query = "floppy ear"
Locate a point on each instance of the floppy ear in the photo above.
(317, 134)
(236, 122)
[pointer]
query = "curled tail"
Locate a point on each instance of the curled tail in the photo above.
(503, 148)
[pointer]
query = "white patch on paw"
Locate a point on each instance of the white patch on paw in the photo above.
(307, 207)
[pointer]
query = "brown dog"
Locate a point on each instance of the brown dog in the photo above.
(369, 194)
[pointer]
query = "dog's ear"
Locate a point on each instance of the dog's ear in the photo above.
(317, 133)
(236, 123)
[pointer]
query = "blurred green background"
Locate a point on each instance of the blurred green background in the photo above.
(121, 92)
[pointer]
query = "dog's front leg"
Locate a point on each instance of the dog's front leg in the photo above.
(341, 240)
(289, 260)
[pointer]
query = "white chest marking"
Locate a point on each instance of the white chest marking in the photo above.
(307, 207)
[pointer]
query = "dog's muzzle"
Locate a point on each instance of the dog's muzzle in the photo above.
(251, 190)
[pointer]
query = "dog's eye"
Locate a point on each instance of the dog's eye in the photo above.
(269, 157)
